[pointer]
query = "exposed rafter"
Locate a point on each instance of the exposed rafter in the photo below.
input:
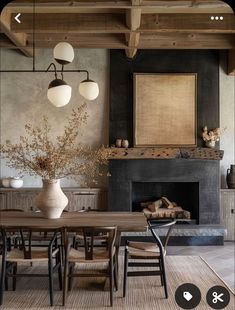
(18, 39)
(129, 25)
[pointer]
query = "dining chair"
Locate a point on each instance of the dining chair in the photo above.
(148, 254)
(91, 255)
(27, 252)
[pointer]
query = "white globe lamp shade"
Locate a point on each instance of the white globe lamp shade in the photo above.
(89, 89)
(63, 53)
(59, 93)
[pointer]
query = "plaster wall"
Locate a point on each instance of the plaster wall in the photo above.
(23, 99)
(227, 118)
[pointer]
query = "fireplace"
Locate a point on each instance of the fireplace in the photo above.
(192, 183)
(184, 194)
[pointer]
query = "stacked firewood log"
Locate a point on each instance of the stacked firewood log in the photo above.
(164, 208)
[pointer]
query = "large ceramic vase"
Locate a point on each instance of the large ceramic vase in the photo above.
(51, 201)
(230, 178)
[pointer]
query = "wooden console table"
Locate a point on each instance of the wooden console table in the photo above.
(23, 198)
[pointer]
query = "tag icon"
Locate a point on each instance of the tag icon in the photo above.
(187, 296)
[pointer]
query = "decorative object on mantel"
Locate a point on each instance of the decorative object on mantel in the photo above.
(230, 178)
(118, 142)
(212, 136)
(125, 143)
(165, 153)
(37, 154)
(59, 92)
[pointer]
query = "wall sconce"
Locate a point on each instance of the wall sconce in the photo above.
(59, 92)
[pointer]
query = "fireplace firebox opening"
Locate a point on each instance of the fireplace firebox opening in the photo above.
(151, 195)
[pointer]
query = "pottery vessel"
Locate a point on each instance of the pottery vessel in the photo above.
(51, 201)
(210, 144)
(230, 178)
(125, 143)
(16, 182)
(118, 143)
(6, 182)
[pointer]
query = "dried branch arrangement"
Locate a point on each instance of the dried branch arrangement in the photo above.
(212, 135)
(37, 154)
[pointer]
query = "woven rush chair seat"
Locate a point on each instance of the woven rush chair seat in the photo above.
(40, 255)
(143, 249)
(99, 256)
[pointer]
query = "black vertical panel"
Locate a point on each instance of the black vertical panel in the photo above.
(203, 62)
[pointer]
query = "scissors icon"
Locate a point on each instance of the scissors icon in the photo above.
(217, 297)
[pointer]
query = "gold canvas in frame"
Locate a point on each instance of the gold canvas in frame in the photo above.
(165, 109)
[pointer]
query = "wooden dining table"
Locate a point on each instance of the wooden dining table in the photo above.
(125, 221)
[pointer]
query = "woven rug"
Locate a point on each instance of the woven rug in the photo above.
(142, 292)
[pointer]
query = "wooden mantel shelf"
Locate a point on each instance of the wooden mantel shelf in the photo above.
(165, 153)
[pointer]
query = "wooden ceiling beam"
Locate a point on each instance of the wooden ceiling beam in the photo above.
(112, 41)
(187, 41)
(71, 23)
(199, 23)
(147, 7)
(133, 21)
(18, 39)
(115, 23)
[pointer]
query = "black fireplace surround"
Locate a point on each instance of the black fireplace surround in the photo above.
(124, 173)
(127, 174)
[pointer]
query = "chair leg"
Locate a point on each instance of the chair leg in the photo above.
(164, 277)
(50, 273)
(161, 276)
(125, 272)
(115, 274)
(111, 272)
(14, 278)
(59, 264)
(65, 286)
(70, 279)
(3, 277)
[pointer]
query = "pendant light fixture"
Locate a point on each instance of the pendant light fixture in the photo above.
(59, 92)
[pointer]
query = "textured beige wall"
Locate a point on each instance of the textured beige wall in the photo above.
(23, 99)
(227, 118)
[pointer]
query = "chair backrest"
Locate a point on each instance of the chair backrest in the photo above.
(25, 236)
(156, 224)
(90, 235)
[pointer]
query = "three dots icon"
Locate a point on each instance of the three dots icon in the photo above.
(217, 17)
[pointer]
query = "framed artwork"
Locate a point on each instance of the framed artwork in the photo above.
(165, 109)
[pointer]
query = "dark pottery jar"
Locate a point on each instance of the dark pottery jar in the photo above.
(230, 178)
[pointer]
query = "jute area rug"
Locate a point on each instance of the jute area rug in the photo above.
(142, 292)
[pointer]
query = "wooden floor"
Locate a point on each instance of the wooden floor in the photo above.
(220, 258)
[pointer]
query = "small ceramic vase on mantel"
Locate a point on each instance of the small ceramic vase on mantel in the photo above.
(210, 144)
(51, 201)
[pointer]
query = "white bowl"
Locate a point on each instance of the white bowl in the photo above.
(16, 183)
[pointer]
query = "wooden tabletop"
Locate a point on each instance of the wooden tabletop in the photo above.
(125, 221)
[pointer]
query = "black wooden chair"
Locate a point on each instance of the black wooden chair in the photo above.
(148, 254)
(27, 252)
(91, 254)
